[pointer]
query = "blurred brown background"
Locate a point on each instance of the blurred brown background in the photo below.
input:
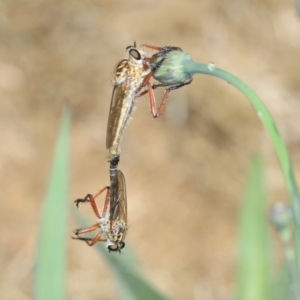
(185, 171)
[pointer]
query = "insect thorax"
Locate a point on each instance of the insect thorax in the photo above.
(118, 232)
(130, 72)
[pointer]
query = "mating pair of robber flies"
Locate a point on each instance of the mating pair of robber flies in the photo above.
(131, 80)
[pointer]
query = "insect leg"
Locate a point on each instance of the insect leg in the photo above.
(152, 102)
(85, 230)
(149, 90)
(167, 92)
(90, 241)
(91, 199)
(162, 50)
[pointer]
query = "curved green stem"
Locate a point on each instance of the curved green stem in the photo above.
(270, 126)
(178, 67)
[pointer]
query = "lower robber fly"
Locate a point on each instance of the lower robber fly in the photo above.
(112, 222)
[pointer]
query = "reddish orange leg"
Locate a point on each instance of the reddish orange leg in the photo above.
(167, 92)
(85, 230)
(151, 47)
(149, 90)
(91, 241)
(162, 51)
(163, 102)
(152, 101)
(91, 199)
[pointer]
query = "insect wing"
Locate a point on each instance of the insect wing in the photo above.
(119, 80)
(118, 199)
(114, 113)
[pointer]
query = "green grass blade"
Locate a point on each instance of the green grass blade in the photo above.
(298, 7)
(129, 282)
(253, 270)
(281, 216)
(281, 286)
(49, 277)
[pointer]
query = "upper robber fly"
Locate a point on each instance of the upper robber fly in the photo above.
(130, 76)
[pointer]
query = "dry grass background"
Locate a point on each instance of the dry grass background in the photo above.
(185, 171)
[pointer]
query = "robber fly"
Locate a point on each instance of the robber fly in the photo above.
(130, 76)
(112, 222)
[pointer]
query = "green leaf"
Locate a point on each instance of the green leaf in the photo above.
(49, 278)
(253, 270)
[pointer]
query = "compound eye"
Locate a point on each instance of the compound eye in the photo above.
(118, 247)
(113, 247)
(135, 54)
